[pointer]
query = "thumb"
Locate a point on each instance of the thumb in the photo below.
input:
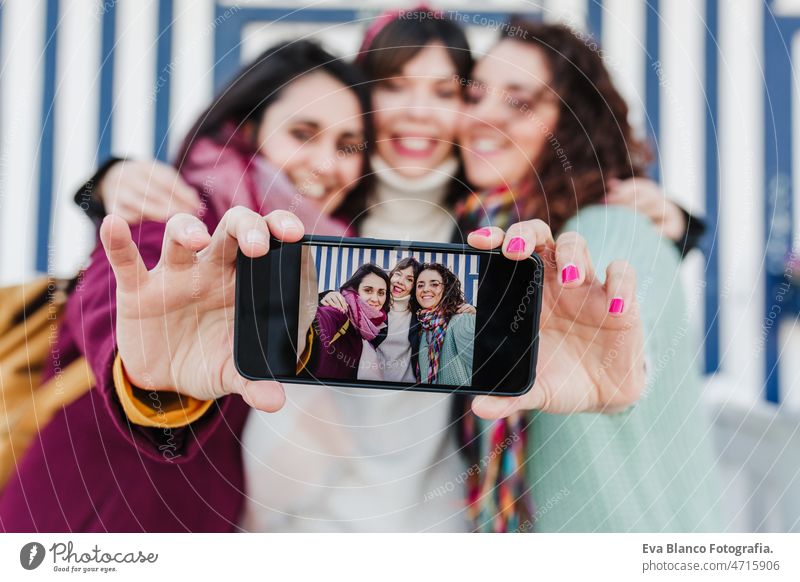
(264, 395)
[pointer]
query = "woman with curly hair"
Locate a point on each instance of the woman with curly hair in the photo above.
(544, 130)
(446, 342)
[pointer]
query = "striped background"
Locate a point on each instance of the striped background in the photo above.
(336, 264)
(81, 79)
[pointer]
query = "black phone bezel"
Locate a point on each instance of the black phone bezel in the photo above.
(242, 272)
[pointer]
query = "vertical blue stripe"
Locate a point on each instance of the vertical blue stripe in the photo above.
(327, 266)
(596, 19)
(652, 82)
(47, 136)
(107, 43)
(778, 77)
(163, 79)
(710, 249)
(227, 43)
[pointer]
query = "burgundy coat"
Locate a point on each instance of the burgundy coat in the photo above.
(332, 357)
(91, 470)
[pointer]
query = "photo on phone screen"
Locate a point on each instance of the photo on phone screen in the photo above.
(388, 314)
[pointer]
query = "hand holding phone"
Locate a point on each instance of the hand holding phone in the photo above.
(591, 338)
(174, 322)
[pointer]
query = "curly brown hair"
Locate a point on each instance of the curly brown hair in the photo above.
(592, 130)
(452, 295)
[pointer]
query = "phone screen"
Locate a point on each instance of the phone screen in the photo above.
(428, 317)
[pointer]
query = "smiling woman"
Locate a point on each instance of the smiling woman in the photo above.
(446, 343)
(336, 339)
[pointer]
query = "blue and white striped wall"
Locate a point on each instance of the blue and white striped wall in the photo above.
(80, 79)
(336, 265)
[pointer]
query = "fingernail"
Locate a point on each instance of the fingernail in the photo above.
(288, 224)
(194, 229)
(483, 231)
(256, 237)
(516, 245)
(616, 306)
(569, 274)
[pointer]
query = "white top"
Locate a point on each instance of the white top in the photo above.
(410, 209)
(351, 459)
(394, 353)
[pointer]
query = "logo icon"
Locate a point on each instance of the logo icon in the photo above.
(31, 555)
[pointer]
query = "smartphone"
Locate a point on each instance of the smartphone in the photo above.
(388, 314)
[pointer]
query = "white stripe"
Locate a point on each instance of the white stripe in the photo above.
(77, 89)
(134, 79)
(20, 119)
(625, 53)
(193, 66)
(741, 236)
(573, 13)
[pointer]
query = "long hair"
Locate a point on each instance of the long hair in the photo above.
(400, 40)
(261, 83)
(369, 269)
(595, 141)
(452, 295)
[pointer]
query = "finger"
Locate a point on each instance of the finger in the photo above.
(285, 226)
(523, 238)
(620, 288)
(496, 407)
(486, 238)
(340, 303)
(131, 213)
(572, 260)
(129, 269)
(180, 193)
(240, 228)
(183, 237)
(264, 395)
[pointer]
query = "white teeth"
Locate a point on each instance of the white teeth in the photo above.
(416, 144)
(314, 190)
(485, 146)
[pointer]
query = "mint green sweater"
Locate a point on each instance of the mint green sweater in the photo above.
(455, 359)
(650, 468)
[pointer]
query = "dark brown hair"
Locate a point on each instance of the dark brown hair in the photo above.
(400, 40)
(408, 262)
(368, 269)
(593, 140)
(260, 83)
(452, 296)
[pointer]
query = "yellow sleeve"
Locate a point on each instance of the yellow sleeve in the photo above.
(159, 409)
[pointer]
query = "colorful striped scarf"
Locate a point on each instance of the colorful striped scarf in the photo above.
(498, 496)
(434, 324)
(495, 207)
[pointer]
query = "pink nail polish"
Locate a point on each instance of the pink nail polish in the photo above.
(516, 245)
(616, 306)
(569, 274)
(483, 231)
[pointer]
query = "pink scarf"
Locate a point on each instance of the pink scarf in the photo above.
(227, 173)
(367, 319)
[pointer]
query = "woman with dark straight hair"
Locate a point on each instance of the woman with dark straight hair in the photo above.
(335, 339)
(108, 461)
